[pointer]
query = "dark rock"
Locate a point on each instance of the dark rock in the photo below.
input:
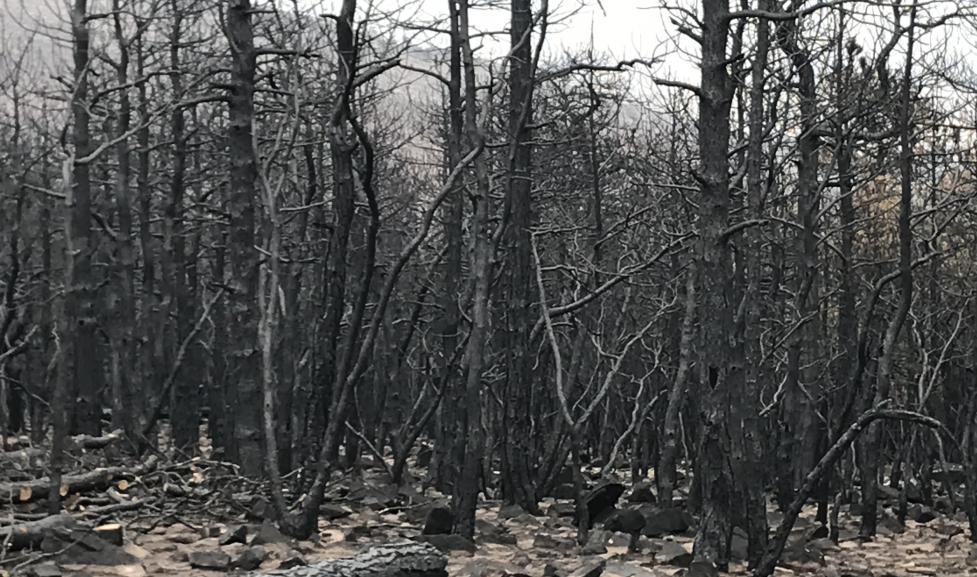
(510, 512)
(485, 568)
(921, 514)
(251, 558)
(889, 525)
(293, 561)
(616, 568)
(268, 534)
(544, 541)
(601, 500)
(213, 560)
(439, 521)
(331, 512)
(592, 569)
(665, 521)
(260, 510)
(701, 569)
(448, 543)
(887, 493)
(492, 533)
(642, 492)
(238, 534)
(210, 531)
(83, 547)
(671, 553)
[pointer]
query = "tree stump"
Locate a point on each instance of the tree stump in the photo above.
(405, 559)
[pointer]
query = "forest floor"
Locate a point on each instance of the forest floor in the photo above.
(197, 519)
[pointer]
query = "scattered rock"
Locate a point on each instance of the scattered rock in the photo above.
(448, 543)
(591, 569)
(268, 534)
(889, 525)
(521, 560)
(332, 512)
(293, 561)
(617, 568)
(510, 512)
(260, 510)
(439, 521)
(238, 534)
(642, 492)
(665, 521)
(921, 514)
(213, 560)
(545, 541)
(251, 558)
(671, 553)
(488, 568)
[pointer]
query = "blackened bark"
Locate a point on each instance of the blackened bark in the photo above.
(242, 321)
(717, 371)
(873, 441)
(518, 454)
(80, 309)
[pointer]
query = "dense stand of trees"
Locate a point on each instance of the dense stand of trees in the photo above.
(325, 231)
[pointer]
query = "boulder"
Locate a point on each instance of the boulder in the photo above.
(212, 560)
(448, 543)
(701, 569)
(238, 534)
(671, 553)
(250, 558)
(921, 514)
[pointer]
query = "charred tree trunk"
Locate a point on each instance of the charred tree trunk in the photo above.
(242, 324)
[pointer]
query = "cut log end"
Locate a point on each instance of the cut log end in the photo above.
(113, 533)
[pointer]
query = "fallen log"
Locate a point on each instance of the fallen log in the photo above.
(96, 480)
(31, 533)
(404, 559)
(78, 442)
